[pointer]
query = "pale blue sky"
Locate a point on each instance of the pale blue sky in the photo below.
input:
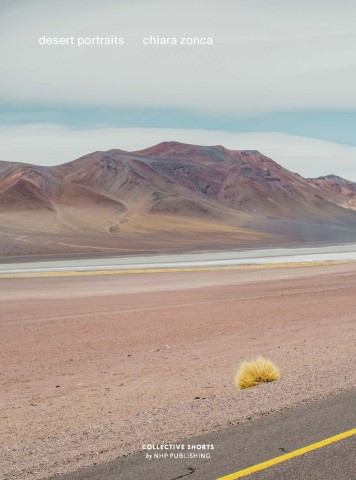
(333, 125)
(278, 67)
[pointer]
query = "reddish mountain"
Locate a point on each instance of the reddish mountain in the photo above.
(342, 192)
(171, 196)
(29, 187)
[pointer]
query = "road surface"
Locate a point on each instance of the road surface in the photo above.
(188, 261)
(255, 442)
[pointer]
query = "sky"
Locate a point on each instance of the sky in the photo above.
(280, 78)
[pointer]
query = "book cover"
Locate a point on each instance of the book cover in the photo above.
(177, 240)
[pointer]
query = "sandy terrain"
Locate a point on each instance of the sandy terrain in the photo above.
(94, 367)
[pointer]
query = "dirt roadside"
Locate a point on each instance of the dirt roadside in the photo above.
(94, 367)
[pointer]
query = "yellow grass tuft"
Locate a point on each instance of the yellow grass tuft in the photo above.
(255, 372)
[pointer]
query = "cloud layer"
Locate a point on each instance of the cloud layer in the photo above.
(267, 56)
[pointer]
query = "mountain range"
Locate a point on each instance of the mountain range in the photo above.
(168, 197)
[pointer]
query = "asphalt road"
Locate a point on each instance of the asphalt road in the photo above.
(196, 260)
(251, 443)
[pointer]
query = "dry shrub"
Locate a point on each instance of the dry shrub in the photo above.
(255, 372)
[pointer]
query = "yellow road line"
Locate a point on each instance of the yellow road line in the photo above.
(74, 273)
(289, 456)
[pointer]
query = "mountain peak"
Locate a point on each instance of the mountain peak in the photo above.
(331, 176)
(168, 146)
(334, 178)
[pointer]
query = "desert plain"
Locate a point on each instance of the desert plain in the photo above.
(95, 366)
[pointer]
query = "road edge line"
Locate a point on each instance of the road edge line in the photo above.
(288, 456)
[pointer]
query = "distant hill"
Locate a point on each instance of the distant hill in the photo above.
(172, 196)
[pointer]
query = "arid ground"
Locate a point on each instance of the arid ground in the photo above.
(93, 367)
